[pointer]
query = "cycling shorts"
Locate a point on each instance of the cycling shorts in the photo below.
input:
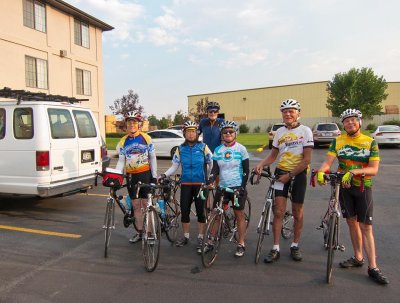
(133, 179)
(298, 189)
(188, 194)
(230, 197)
(354, 203)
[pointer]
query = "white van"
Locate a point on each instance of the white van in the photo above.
(48, 145)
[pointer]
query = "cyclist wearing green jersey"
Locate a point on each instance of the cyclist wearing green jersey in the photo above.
(358, 156)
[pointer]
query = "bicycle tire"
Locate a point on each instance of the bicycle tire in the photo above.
(287, 225)
(172, 220)
(151, 239)
(213, 237)
(247, 216)
(332, 226)
(108, 226)
(263, 229)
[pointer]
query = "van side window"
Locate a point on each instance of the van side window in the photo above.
(23, 123)
(86, 126)
(61, 124)
(2, 123)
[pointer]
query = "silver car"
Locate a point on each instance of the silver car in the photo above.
(324, 133)
(387, 135)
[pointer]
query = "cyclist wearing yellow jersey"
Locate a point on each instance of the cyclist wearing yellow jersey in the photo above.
(358, 155)
(292, 146)
(137, 156)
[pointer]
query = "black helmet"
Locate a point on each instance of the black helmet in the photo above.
(213, 105)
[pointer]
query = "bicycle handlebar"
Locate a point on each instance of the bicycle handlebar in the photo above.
(265, 173)
(334, 177)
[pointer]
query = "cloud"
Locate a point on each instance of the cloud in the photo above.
(161, 37)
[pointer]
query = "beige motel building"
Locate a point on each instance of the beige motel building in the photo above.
(260, 106)
(52, 47)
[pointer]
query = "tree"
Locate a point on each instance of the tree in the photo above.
(180, 118)
(358, 88)
(153, 121)
(200, 110)
(126, 104)
(163, 123)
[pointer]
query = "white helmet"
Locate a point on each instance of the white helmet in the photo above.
(132, 115)
(351, 113)
(290, 103)
(229, 124)
(190, 124)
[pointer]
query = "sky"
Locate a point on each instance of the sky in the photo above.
(167, 50)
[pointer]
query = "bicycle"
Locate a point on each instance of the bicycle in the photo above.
(330, 222)
(263, 227)
(114, 180)
(221, 224)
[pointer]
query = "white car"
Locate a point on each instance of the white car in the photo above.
(387, 135)
(166, 141)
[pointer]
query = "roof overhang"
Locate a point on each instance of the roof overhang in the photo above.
(81, 15)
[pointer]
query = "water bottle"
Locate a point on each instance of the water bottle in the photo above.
(161, 204)
(128, 202)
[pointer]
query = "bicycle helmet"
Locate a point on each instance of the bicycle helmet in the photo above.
(133, 115)
(350, 112)
(290, 103)
(213, 105)
(229, 124)
(190, 124)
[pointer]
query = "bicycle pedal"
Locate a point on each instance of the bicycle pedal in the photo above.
(342, 248)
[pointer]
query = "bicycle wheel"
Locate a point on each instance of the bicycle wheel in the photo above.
(332, 226)
(262, 230)
(212, 240)
(287, 225)
(108, 224)
(325, 233)
(247, 214)
(172, 220)
(151, 239)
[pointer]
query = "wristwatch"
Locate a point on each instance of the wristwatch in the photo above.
(290, 175)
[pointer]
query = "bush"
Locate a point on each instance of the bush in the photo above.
(392, 122)
(257, 129)
(115, 135)
(243, 129)
(371, 127)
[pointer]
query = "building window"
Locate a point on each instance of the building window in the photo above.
(35, 15)
(81, 31)
(83, 83)
(35, 72)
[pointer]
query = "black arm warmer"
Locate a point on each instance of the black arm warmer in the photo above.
(214, 171)
(246, 171)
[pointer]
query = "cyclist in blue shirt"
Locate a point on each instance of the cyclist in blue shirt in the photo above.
(209, 126)
(231, 164)
(195, 159)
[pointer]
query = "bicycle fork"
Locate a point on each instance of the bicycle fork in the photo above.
(267, 208)
(110, 207)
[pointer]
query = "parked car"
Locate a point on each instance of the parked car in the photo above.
(272, 132)
(176, 127)
(166, 141)
(387, 135)
(51, 145)
(324, 133)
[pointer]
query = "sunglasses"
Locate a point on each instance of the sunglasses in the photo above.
(212, 111)
(228, 132)
(132, 122)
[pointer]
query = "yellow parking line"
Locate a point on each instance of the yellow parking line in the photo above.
(98, 195)
(42, 232)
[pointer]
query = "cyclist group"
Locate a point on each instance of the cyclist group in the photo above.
(220, 159)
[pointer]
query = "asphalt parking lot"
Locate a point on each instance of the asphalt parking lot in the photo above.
(52, 251)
